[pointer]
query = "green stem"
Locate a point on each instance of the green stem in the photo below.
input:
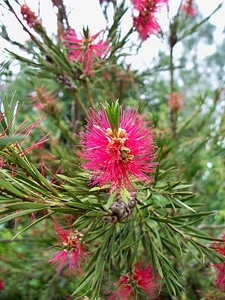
(78, 100)
(89, 97)
(173, 114)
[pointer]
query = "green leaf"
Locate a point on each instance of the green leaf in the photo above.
(113, 114)
(17, 214)
(9, 140)
(32, 224)
(26, 206)
(6, 185)
(181, 204)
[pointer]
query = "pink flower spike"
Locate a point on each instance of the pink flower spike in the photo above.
(1, 285)
(71, 252)
(87, 49)
(144, 17)
(220, 276)
(145, 279)
(29, 16)
(118, 157)
(220, 268)
(188, 8)
(175, 101)
(59, 259)
(124, 290)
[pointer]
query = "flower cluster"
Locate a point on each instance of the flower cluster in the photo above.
(175, 101)
(220, 268)
(1, 285)
(145, 22)
(29, 16)
(188, 8)
(116, 155)
(86, 49)
(72, 249)
(140, 280)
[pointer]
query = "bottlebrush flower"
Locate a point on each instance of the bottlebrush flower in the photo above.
(72, 249)
(124, 290)
(220, 268)
(2, 284)
(117, 154)
(140, 279)
(188, 8)
(144, 18)
(175, 101)
(29, 16)
(87, 49)
(145, 279)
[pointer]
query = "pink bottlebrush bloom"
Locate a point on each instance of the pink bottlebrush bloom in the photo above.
(2, 284)
(175, 101)
(142, 279)
(145, 279)
(220, 276)
(124, 290)
(188, 8)
(220, 247)
(29, 16)
(86, 49)
(220, 268)
(117, 156)
(72, 249)
(144, 20)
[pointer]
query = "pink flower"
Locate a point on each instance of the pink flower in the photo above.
(124, 290)
(188, 8)
(220, 268)
(145, 279)
(145, 21)
(29, 16)
(142, 279)
(120, 155)
(175, 101)
(2, 284)
(72, 249)
(86, 49)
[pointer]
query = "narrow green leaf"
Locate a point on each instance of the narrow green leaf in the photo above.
(17, 214)
(6, 185)
(181, 204)
(9, 140)
(27, 205)
(32, 224)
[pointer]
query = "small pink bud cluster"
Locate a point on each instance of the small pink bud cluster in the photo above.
(29, 16)
(188, 8)
(175, 102)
